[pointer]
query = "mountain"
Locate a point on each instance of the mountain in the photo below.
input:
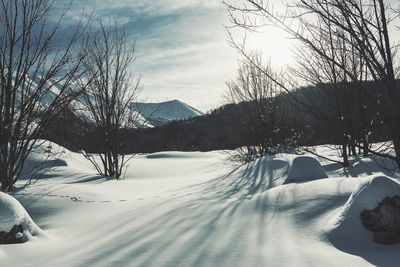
(161, 113)
(149, 114)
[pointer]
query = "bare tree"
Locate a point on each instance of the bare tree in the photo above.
(34, 78)
(109, 96)
(259, 112)
(360, 27)
(341, 99)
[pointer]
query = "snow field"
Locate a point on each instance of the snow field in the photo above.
(198, 209)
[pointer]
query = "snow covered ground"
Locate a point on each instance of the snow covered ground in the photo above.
(198, 209)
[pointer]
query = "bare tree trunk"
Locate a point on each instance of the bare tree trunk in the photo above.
(345, 156)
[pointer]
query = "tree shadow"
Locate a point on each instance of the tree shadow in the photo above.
(246, 180)
(186, 229)
(363, 166)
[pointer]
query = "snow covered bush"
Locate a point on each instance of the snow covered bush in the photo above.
(15, 222)
(305, 168)
(348, 231)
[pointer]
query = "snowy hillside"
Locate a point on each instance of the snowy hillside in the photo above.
(198, 209)
(160, 113)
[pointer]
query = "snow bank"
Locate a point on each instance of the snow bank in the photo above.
(46, 156)
(348, 231)
(305, 168)
(13, 213)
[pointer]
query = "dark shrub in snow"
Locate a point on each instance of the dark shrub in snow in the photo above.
(384, 220)
(13, 236)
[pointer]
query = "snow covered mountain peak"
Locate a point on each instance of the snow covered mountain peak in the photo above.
(160, 113)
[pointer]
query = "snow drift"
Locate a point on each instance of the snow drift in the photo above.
(13, 213)
(348, 232)
(305, 168)
(199, 209)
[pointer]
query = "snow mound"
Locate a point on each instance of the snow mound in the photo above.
(348, 231)
(47, 156)
(305, 168)
(13, 213)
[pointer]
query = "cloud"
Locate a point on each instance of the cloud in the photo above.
(187, 56)
(181, 47)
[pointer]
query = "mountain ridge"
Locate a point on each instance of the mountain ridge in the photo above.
(163, 112)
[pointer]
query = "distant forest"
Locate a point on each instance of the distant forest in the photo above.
(228, 127)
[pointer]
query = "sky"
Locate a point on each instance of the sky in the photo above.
(182, 50)
(181, 46)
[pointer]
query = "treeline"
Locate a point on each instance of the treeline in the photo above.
(230, 126)
(338, 45)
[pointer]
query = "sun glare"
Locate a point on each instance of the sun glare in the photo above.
(274, 45)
